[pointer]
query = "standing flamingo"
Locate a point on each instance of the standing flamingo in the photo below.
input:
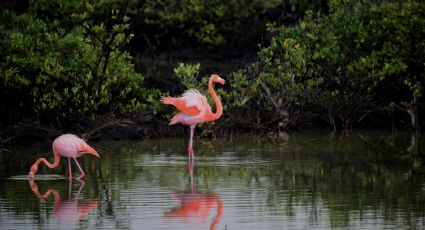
(195, 109)
(67, 145)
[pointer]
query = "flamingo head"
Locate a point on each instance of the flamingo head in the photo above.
(91, 151)
(33, 171)
(85, 148)
(216, 78)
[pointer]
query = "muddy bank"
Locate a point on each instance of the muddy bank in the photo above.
(105, 129)
(144, 126)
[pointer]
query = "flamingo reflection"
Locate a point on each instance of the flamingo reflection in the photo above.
(196, 205)
(68, 211)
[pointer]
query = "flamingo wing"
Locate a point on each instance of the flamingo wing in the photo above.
(192, 102)
(66, 145)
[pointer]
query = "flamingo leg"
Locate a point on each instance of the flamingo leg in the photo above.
(190, 148)
(69, 168)
(81, 170)
(70, 189)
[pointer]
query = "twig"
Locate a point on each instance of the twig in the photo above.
(8, 139)
(215, 129)
(88, 134)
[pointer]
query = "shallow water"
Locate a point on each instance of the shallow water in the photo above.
(361, 180)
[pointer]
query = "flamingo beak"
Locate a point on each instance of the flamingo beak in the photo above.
(33, 171)
(88, 149)
(221, 81)
(94, 153)
(31, 176)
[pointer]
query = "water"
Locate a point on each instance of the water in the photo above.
(366, 180)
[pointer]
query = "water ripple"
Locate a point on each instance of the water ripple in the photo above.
(39, 177)
(219, 161)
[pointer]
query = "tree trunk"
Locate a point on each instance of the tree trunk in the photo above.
(412, 110)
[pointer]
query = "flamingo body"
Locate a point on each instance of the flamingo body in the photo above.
(194, 108)
(190, 103)
(69, 146)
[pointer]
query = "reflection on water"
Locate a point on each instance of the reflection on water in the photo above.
(196, 206)
(311, 180)
(67, 211)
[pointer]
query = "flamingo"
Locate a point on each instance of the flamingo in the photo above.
(194, 109)
(67, 145)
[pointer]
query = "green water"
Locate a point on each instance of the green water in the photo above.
(364, 180)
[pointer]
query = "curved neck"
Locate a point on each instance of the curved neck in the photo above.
(55, 164)
(218, 105)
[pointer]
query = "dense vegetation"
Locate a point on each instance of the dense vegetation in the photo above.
(61, 63)
(336, 63)
(361, 61)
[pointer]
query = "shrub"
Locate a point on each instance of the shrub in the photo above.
(360, 58)
(67, 66)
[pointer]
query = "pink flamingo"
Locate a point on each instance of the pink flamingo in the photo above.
(67, 145)
(195, 109)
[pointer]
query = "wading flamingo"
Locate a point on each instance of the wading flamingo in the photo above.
(67, 145)
(194, 108)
